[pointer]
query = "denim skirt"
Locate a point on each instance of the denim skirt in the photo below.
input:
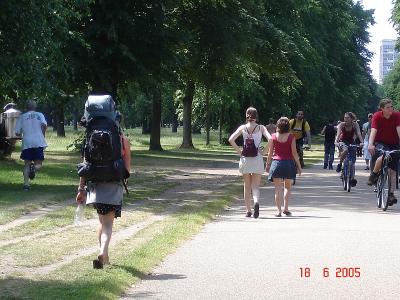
(285, 169)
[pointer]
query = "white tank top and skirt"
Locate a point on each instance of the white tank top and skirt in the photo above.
(252, 165)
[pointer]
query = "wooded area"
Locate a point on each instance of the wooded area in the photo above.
(200, 63)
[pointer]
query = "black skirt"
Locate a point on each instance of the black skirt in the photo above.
(103, 209)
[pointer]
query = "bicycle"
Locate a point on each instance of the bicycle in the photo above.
(348, 169)
(383, 185)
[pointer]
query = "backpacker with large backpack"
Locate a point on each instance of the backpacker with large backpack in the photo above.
(102, 150)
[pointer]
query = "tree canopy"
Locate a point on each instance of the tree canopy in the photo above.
(203, 62)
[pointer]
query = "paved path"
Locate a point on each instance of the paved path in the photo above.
(240, 258)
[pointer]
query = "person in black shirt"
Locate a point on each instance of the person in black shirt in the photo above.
(329, 131)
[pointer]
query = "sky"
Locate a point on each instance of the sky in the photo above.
(382, 29)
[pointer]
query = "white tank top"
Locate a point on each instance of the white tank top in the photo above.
(257, 135)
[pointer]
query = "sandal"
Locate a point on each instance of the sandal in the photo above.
(278, 215)
(248, 214)
(286, 212)
(98, 263)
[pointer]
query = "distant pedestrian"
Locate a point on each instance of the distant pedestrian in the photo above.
(271, 127)
(329, 131)
(281, 164)
(359, 149)
(32, 127)
(251, 164)
(366, 130)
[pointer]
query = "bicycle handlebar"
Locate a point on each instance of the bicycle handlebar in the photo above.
(350, 145)
(387, 152)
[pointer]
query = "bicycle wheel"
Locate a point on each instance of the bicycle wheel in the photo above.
(385, 190)
(350, 175)
(379, 191)
(344, 175)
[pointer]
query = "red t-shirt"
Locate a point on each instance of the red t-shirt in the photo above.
(282, 151)
(386, 128)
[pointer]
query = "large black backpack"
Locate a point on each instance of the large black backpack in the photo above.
(102, 149)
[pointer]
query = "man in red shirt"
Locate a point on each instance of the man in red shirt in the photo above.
(385, 135)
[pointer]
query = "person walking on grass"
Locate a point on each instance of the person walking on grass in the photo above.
(281, 164)
(32, 127)
(105, 167)
(251, 164)
(106, 198)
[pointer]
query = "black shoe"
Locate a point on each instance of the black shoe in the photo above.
(373, 179)
(353, 182)
(248, 214)
(97, 264)
(339, 168)
(330, 167)
(32, 171)
(26, 187)
(325, 166)
(366, 168)
(256, 210)
(392, 199)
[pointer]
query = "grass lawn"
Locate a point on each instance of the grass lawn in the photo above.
(51, 238)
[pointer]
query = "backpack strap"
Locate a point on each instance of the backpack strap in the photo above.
(254, 129)
(293, 123)
(251, 134)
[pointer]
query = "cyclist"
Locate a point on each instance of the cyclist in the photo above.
(385, 135)
(346, 133)
(300, 128)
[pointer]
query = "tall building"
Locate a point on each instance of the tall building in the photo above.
(387, 58)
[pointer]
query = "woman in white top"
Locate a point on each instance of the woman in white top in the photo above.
(251, 167)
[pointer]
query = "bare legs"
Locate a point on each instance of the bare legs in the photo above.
(104, 234)
(343, 155)
(251, 189)
(38, 166)
(282, 189)
(26, 172)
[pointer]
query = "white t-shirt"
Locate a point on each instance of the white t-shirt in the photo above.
(29, 125)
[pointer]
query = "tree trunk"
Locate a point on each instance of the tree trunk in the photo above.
(55, 121)
(174, 126)
(155, 143)
(187, 142)
(207, 121)
(220, 124)
(75, 120)
(60, 120)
